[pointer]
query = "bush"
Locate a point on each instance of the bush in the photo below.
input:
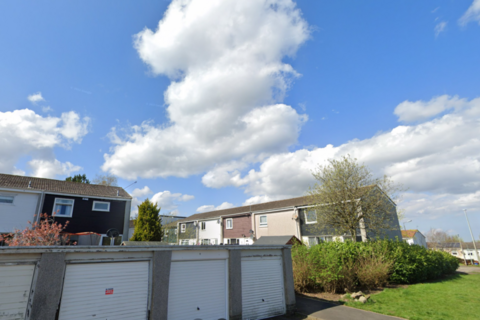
(339, 267)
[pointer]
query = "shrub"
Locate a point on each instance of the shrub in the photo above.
(339, 267)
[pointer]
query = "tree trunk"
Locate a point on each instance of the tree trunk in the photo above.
(354, 234)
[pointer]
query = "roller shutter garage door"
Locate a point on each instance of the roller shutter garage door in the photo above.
(198, 290)
(106, 291)
(15, 284)
(263, 294)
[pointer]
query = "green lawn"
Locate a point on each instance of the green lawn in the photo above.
(456, 297)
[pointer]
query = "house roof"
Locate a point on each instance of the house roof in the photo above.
(59, 186)
(299, 201)
(409, 233)
(281, 240)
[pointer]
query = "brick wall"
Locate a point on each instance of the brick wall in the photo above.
(241, 226)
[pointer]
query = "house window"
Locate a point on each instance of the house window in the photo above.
(312, 241)
(63, 207)
(204, 225)
(207, 242)
(310, 216)
(184, 242)
(454, 253)
(326, 238)
(229, 224)
(233, 241)
(183, 227)
(101, 206)
(6, 199)
(263, 221)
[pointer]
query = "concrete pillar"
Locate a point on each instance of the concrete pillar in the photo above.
(235, 284)
(48, 287)
(160, 281)
(290, 301)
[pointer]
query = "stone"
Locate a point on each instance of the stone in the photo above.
(362, 299)
(357, 295)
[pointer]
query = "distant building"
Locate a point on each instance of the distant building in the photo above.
(164, 218)
(414, 237)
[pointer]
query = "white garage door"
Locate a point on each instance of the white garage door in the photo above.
(263, 293)
(15, 283)
(107, 291)
(198, 290)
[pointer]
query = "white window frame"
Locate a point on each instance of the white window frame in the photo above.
(306, 216)
(8, 196)
(183, 227)
(264, 224)
(229, 221)
(95, 202)
(229, 241)
(182, 242)
(203, 225)
(55, 204)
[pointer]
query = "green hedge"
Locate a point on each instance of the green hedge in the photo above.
(337, 266)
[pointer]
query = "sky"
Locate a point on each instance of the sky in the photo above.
(214, 104)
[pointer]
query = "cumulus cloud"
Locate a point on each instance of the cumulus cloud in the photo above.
(472, 14)
(440, 27)
(224, 59)
(36, 97)
(210, 207)
(167, 201)
(25, 133)
(50, 169)
(139, 193)
(409, 111)
(438, 160)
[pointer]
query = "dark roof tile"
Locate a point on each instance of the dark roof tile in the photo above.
(59, 186)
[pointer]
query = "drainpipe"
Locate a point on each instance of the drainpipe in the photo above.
(41, 200)
(221, 230)
(197, 232)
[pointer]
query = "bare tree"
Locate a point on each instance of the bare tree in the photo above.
(347, 197)
(106, 180)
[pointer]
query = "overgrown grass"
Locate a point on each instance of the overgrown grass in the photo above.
(456, 297)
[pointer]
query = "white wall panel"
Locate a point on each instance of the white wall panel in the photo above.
(15, 283)
(263, 293)
(17, 214)
(198, 290)
(85, 294)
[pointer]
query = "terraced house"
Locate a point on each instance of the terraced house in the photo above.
(289, 217)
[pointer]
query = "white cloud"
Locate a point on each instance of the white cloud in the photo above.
(47, 109)
(25, 133)
(36, 97)
(409, 111)
(206, 208)
(167, 201)
(472, 14)
(440, 27)
(438, 159)
(228, 80)
(51, 169)
(138, 193)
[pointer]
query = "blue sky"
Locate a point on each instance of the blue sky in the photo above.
(230, 103)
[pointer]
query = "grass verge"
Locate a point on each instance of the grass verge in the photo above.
(454, 297)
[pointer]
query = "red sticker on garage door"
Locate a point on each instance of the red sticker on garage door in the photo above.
(109, 291)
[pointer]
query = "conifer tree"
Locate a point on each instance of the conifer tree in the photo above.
(147, 224)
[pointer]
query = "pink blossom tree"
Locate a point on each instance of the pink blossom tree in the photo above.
(47, 232)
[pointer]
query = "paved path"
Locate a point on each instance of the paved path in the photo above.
(314, 309)
(468, 269)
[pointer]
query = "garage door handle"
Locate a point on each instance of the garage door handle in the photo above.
(198, 308)
(263, 300)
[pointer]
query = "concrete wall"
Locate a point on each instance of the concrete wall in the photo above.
(46, 291)
(280, 223)
(17, 214)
